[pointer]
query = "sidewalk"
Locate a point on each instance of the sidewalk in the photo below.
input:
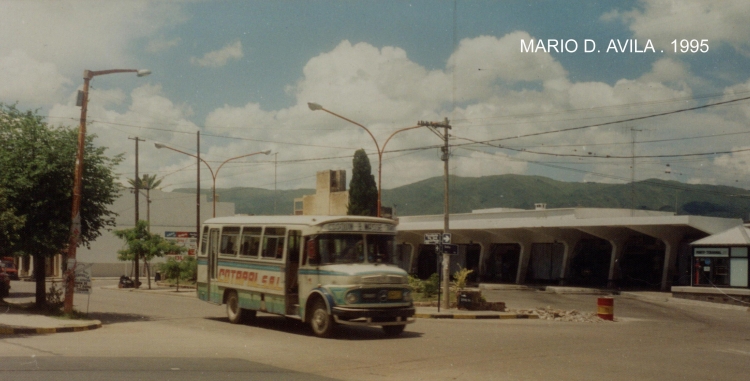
(16, 320)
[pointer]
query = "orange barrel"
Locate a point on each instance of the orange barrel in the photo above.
(605, 308)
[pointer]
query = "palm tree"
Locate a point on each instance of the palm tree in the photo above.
(147, 182)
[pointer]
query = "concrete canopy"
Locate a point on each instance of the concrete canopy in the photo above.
(566, 226)
(736, 236)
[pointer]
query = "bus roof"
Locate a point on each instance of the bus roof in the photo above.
(294, 220)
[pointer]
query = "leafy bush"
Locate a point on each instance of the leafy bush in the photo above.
(55, 299)
(416, 284)
(460, 277)
(189, 268)
(431, 286)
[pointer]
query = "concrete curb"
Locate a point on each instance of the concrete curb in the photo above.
(187, 292)
(473, 316)
(30, 331)
(684, 302)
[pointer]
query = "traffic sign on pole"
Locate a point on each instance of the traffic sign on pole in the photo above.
(450, 249)
(431, 238)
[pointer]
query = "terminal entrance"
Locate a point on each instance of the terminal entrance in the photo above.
(545, 263)
(501, 265)
(589, 266)
(427, 263)
(642, 263)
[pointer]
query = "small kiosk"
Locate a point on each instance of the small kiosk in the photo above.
(721, 260)
(719, 271)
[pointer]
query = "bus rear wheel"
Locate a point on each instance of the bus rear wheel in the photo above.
(236, 314)
(321, 322)
(393, 330)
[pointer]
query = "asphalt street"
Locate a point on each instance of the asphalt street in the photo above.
(163, 336)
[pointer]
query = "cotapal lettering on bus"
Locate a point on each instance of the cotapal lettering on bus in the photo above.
(249, 278)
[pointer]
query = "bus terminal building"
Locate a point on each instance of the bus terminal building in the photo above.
(589, 247)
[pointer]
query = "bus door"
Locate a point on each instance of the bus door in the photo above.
(292, 268)
(213, 258)
(309, 272)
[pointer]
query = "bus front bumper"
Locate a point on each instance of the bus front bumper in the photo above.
(372, 316)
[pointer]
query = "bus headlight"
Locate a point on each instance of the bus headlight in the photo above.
(352, 298)
(407, 296)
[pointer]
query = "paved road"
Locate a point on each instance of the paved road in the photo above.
(164, 337)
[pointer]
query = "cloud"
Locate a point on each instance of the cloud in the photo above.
(161, 44)
(483, 64)
(148, 114)
(663, 21)
(25, 79)
(219, 58)
(70, 33)
(382, 89)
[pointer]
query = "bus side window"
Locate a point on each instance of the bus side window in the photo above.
(273, 243)
(250, 241)
(229, 239)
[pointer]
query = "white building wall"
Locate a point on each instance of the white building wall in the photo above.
(170, 211)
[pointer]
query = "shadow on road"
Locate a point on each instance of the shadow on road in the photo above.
(114, 317)
(293, 326)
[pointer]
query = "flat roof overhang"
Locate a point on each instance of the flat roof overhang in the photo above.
(585, 220)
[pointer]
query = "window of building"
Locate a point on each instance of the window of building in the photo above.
(738, 266)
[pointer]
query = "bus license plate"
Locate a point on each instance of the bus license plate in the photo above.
(395, 294)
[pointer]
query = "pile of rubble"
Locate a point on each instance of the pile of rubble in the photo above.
(549, 313)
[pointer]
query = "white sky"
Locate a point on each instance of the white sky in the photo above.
(242, 73)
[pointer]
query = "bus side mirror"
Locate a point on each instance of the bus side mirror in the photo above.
(312, 252)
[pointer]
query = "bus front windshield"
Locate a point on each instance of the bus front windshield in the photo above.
(355, 248)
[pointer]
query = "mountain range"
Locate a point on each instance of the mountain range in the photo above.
(517, 191)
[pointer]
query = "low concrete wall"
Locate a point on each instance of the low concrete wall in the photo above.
(732, 296)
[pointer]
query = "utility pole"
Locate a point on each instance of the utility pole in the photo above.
(446, 202)
(275, 162)
(633, 131)
(198, 192)
(137, 207)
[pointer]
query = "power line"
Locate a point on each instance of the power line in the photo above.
(621, 120)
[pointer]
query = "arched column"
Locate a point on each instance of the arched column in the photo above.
(616, 238)
(671, 238)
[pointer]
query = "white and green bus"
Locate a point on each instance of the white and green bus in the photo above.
(323, 270)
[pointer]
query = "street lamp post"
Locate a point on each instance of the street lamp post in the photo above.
(316, 107)
(75, 229)
(213, 174)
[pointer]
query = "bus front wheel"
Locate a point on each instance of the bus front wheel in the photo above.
(321, 322)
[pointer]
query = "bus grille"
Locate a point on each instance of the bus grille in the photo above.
(384, 279)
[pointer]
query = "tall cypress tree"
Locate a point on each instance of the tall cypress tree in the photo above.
(363, 193)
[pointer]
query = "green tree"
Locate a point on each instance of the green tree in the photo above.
(10, 223)
(138, 240)
(38, 162)
(363, 192)
(185, 269)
